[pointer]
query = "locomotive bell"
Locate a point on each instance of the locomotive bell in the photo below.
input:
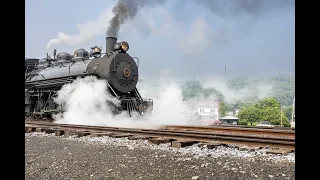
(96, 50)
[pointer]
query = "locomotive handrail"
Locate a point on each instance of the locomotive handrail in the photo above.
(112, 90)
(61, 64)
(75, 59)
(137, 59)
(114, 59)
(41, 75)
(70, 76)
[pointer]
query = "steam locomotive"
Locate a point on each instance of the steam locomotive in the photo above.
(45, 77)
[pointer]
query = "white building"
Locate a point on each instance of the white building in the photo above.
(229, 120)
(207, 113)
(213, 113)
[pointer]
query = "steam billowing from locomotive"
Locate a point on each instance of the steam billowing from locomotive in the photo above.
(116, 67)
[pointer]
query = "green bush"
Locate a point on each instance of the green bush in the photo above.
(286, 124)
(243, 122)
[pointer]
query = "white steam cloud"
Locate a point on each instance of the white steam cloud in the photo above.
(259, 90)
(85, 103)
(86, 31)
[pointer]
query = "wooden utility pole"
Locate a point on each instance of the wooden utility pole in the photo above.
(293, 109)
(281, 116)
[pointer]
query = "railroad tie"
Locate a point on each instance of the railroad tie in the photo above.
(28, 129)
(100, 134)
(119, 135)
(50, 130)
(138, 137)
(182, 143)
(279, 151)
(59, 132)
(82, 133)
(210, 145)
(68, 133)
(249, 148)
(159, 140)
(40, 129)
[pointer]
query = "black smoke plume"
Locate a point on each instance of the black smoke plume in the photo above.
(126, 10)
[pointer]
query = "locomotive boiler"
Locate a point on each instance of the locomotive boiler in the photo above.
(120, 71)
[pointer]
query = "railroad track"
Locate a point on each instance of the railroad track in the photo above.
(177, 137)
(257, 127)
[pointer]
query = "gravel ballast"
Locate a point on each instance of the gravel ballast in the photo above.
(51, 157)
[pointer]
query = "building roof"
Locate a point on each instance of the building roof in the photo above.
(229, 117)
(206, 114)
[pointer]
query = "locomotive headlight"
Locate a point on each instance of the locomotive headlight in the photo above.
(124, 46)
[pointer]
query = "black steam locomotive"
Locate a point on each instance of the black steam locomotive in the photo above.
(45, 77)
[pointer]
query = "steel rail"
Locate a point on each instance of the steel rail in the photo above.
(270, 132)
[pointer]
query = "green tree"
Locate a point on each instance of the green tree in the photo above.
(223, 108)
(209, 92)
(285, 120)
(249, 114)
(191, 89)
(267, 103)
(273, 115)
(194, 89)
(269, 110)
(288, 112)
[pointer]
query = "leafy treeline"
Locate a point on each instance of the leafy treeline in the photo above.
(194, 89)
(283, 89)
(282, 92)
(283, 86)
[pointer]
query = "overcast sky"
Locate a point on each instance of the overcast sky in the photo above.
(185, 38)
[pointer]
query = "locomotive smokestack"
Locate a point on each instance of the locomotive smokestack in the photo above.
(110, 41)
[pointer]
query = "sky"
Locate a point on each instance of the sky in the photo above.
(186, 39)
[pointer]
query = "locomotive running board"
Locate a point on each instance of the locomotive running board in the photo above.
(56, 81)
(43, 112)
